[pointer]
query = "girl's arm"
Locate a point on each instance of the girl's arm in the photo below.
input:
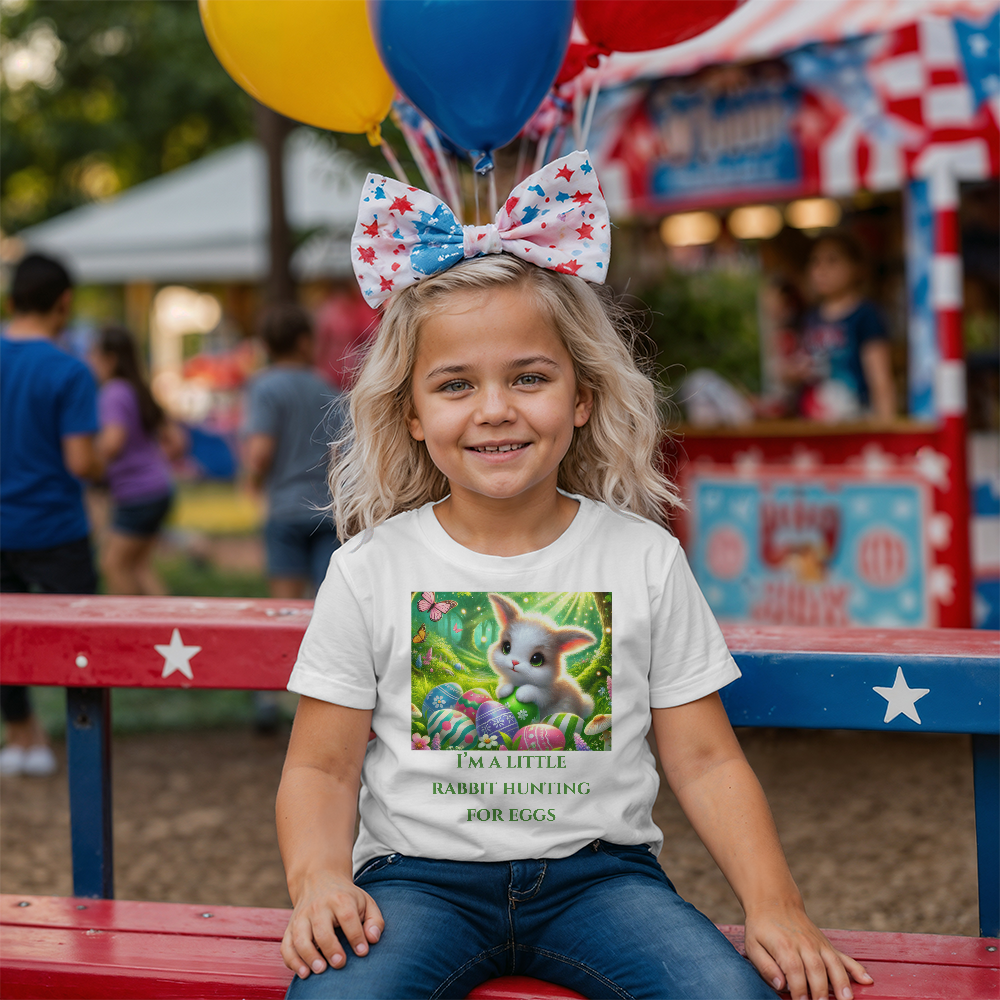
(316, 808)
(876, 362)
(722, 798)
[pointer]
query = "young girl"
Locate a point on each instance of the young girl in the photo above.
(843, 369)
(501, 459)
(135, 440)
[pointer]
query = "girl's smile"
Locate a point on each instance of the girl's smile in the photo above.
(495, 398)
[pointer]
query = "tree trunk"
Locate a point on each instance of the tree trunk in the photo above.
(272, 130)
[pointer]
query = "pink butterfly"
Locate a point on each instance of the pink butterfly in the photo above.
(434, 611)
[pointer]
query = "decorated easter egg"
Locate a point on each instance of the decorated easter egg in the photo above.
(492, 719)
(524, 711)
(456, 730)
(539, 737)
(569, 725)
(470, 701)
(443, 696)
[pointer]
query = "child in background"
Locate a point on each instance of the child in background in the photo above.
(136, 441)
(291, 417)
(502, 443)
(843, 368)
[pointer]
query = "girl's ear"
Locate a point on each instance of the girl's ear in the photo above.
(584, 405)
(506, 610)
(413, 425)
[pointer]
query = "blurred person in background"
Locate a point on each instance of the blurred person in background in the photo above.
(843, 367)
(136, 442)
(48, 423)
(292, 415)
(344, 325)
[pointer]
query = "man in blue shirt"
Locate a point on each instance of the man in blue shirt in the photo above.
(48, 419)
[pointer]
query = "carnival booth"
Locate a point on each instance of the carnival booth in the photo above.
(786, 116)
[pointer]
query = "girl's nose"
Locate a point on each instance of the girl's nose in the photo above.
(494, 408)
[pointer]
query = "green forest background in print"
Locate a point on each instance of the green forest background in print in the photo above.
(450, 654)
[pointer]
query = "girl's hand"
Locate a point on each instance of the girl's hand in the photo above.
(326, 903)
(792, 953)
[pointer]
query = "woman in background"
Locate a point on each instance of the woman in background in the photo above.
(135, 440)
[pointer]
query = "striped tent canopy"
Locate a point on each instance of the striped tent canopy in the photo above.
(760, 29)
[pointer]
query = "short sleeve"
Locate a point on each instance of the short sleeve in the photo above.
(116, 404)
(870, 325)
(690, 658)
(262, 416)
(78, 403)
(335, 661)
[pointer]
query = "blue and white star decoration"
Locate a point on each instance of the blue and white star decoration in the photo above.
(901, 699)
(556, 218)
(980, 48)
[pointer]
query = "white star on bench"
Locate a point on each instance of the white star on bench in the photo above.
(177, 656)
(901, 698)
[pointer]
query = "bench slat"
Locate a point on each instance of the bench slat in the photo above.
(122, 949)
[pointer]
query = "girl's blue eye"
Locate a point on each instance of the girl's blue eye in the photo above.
(532, 380)
(457, 386)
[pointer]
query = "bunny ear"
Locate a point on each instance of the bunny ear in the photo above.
(573, 639)
(506, 610)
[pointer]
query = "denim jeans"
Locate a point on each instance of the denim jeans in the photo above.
(606, 922)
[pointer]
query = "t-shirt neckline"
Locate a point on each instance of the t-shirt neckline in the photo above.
(444, 545)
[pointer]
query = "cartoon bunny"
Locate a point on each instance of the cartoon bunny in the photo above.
(529, 655)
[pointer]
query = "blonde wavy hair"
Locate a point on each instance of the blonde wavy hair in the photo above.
(378, 470)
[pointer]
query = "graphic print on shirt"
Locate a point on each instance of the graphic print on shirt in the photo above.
(514, 672)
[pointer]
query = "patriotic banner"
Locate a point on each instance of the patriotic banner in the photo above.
(828, 118)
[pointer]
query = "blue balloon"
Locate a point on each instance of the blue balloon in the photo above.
(476, 69)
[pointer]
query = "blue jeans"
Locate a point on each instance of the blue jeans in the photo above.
(606, 922)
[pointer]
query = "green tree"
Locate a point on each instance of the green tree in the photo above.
(706, 320)
(99, 95)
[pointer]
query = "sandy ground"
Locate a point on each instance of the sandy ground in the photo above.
(878, 828)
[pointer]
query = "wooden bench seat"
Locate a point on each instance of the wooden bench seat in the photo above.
(84, 949)
(792, 677)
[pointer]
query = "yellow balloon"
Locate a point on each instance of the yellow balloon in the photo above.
(311, 60)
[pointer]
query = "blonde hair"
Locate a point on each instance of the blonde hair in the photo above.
(377, 469)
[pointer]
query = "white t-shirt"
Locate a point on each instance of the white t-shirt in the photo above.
(408, 620)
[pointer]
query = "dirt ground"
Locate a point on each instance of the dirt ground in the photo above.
(878, 828)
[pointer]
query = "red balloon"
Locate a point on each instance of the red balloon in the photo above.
(638, 25)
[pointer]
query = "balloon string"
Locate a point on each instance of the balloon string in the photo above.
(543, 143)
(394, 163)
(412, 139)
(591, 105)
(522, 155)
(494, 207)
(578, 117)
(475, 190)
(448, 179)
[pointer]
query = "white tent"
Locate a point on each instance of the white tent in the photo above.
(208, 221)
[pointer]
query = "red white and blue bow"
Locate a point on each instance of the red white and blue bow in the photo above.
(556, 218)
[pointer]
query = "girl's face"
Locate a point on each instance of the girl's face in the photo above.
(495, 398)
(831, 271)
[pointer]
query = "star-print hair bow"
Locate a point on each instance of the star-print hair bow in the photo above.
(556, 218)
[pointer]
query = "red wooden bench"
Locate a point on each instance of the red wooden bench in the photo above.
(87, 946)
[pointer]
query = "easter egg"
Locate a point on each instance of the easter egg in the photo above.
(539, 737)
(470, 701)
(569, 725)
(443, 696)
(524, 711)
(456, 730)
(492, 719)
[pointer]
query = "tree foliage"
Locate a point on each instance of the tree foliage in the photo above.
(706, 320)
(99, 95)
